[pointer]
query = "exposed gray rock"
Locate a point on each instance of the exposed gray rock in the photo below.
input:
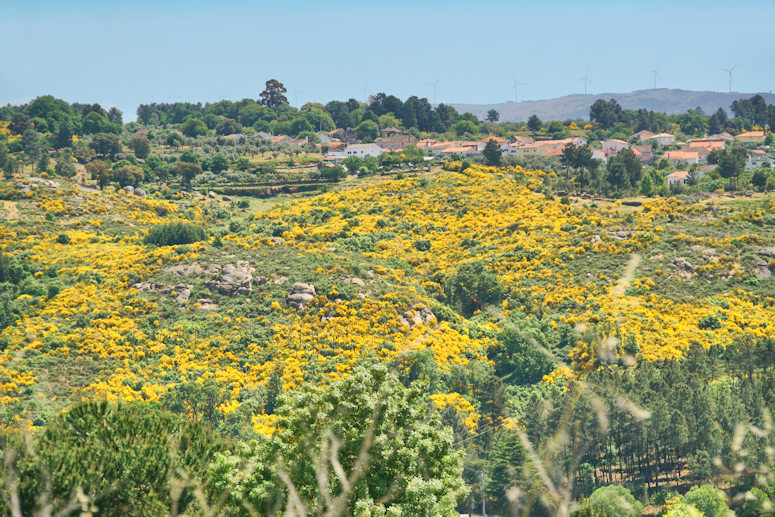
(767, 252)
(301, 294)
(683, 264)
(354, 281)
(212, 195)
(140, 192)
(236, 279)
(763, 272)
(418, 316)
(226, 198)
(24, 188)
(214, 269)
(621, 234)
(206, 304)
(280, 280)
(595, 239)
(184, 293)
(146, 286)
(185, 270)
(129, 189)
(277, 241)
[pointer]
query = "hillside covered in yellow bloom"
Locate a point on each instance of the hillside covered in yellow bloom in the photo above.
(437, 266)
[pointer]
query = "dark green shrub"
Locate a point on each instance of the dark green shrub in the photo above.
(709, 322)
(422, 245)
(471, 287)
(171, 234)
(63, 238)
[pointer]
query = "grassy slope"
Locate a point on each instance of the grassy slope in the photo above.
(98, 336)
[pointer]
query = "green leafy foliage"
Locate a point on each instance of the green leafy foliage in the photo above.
(390, 446)
(120, 457)
(171, 234)
(472, 287)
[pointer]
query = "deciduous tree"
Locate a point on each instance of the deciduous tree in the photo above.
(274, 94)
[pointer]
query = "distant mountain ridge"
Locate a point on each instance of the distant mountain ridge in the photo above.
(664, 100)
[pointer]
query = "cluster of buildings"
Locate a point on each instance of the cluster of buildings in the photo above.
(340, 144)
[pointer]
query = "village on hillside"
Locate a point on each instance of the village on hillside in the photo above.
(694, 154)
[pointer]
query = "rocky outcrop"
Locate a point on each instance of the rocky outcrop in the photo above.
(185, 270)
(22, 187)
(418, 315)
(762, 267)
(767, 252)
(620, 235)
(235, 279)
(300, 296)
(354, 281)
(683, 264)
(144, 287)
(139, 192)
(183, 293)
(206, 304)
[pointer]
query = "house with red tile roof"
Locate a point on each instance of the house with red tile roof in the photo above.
(498, 140)
(677, 178)
(688, 157)
(644, 152)
(757, 158)
(469, 151)
(644, 136)
(707, 143)
(751, 137)
(438, 147)
(615, 144)
(664, 138)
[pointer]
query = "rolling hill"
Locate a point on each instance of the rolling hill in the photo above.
(664, 100)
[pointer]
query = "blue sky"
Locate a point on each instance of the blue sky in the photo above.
(124, 53)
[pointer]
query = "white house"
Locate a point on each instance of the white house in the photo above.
(677, 178)
(599, 154)
(362, 150)
(664, 138)
(644, 135)
(615, 145)
(757, 158)
(335, 157)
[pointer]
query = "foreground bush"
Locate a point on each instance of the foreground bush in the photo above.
(118, 459)
(708, 500)
(365, 445)
(612, 501)
(171, 234)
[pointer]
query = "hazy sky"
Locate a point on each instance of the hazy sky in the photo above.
(124, 53)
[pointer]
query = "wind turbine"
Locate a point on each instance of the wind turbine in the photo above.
(435, 86)
(586, 80)
(655, 71)
(296, 96)
(515, 87)
(366, 91)
(729, 71)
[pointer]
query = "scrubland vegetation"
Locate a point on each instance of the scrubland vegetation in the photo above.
(408, 341)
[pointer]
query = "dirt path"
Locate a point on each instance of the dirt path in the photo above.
(10, 209)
